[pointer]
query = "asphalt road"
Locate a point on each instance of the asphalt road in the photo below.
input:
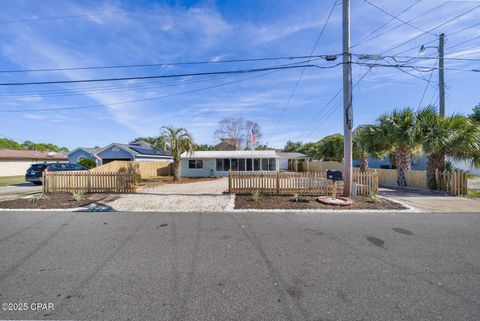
(140, 266)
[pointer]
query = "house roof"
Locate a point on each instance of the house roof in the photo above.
(138, 150)
(30, 155)
(292, 155)
(86, 149)
(231, 154)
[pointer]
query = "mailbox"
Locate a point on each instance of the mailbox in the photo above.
(334, 175)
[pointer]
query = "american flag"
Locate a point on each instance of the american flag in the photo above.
(253, 136)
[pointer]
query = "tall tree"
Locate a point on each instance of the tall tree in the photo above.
(292, 146)
(455, 136)
(367, 144)
(399, 132)
(231, 127)
(330, 148)
(176, 141)
(475, 115)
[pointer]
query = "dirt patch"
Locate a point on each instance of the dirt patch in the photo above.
(310, 202)
(55, 200)
(164, 180)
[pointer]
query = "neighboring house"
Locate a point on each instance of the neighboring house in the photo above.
(135, 151)
(16, 162)
(227, 143)
(218, 163)
(80, 153)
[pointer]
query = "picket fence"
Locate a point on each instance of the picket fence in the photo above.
(88, 182)
(312, 183)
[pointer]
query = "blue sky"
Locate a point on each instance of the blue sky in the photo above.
(103, 33)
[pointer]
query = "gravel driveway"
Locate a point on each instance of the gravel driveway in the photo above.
(199, 196)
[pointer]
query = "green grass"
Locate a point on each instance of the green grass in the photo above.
(12, 180)
(473, 194)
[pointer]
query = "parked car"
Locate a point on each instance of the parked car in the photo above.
(35, 172)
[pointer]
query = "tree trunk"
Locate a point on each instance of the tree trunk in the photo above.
(434, 161)
(402, 160)
(176, 169)
(363, 162)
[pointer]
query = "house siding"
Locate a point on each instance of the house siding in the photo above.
(79, 154)
(209, 168)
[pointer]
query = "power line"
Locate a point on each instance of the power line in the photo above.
(396, 17)
(386, 23)
(205, 62)
(398, 26)
(303, 70)
(431, 29)
(426, 86)
(240, 71)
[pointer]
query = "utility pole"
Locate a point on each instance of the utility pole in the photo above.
(347, 100)
(441, 74)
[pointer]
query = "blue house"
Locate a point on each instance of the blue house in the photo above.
(417, 163)
(134, 151)
(80, 153)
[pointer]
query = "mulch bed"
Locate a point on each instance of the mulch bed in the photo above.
(310, 202)
(55, 201)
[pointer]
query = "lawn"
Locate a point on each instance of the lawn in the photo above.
(12, 180)
(473, 193)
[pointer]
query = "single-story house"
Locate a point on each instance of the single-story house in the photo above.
(218, 163)
(16, 162)
(134, 151)
(80, 153)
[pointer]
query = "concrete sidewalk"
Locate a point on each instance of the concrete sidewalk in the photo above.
(426, 201)
(17, 191)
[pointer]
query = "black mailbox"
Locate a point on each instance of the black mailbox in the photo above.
(334, 175)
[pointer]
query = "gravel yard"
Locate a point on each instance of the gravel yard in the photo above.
(198, 196)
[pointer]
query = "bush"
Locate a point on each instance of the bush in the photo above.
(256, 196)
(78, 197)
(87, 162)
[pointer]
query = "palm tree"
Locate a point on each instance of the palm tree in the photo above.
(366, 143)
(456, 136)
(176, 141)
(398, 132)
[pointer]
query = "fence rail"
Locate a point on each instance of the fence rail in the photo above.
(314, 183)
(88, 182)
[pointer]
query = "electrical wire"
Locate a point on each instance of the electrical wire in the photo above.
(335, 3)
(396, 18)
(426, 86)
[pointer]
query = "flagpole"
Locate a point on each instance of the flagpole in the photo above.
(251, 147)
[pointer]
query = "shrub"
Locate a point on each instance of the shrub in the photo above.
(78, 197)
(39, 197)
(256, 196)
(87, 162)
(296, 197)
(373, 198)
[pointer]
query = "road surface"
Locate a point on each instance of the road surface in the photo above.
(147, 266)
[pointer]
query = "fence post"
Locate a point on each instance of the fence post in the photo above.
(277, 183)
(44, 183)
(229, 181)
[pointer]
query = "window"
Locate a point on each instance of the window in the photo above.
(226, 164)
(219, 165)
(241, 164)
(272, 164)
(249, 164)
(195, 164)
(264, 164)
(234, 164)
(256, 164)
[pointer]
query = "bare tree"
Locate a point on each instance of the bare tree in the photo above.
(232, 127)
(240, 130)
